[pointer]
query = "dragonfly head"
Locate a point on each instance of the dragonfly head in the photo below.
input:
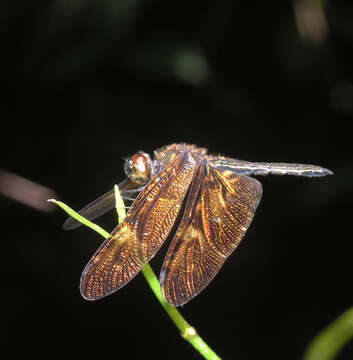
(139, 168)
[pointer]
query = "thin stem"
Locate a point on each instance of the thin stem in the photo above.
(187, 331)
(330, 341)
(119, 204)
(80, 218)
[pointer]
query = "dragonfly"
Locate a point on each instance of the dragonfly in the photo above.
(204, 202)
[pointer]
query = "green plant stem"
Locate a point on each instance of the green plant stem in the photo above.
(80, 218)
(327, 344)
(187, 331)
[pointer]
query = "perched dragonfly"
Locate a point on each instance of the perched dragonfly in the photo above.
(216, 201)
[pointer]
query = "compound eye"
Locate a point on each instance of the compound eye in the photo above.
(138, 168)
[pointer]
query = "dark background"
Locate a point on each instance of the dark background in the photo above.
(87, 83)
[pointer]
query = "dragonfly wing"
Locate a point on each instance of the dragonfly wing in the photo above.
(146, 226)
(93, 210)
(219, 209)
(101, 205)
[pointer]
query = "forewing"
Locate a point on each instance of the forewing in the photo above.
(220, 208)
(93, 210)
(102, 205)
(146, 226)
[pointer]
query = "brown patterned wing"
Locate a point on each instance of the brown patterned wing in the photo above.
(219, 209)
(146, 226)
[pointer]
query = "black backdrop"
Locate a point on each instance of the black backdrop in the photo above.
(87, 83)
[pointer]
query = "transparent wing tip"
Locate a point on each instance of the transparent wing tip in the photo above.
(71, 224)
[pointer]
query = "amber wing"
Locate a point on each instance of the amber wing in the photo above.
(147, 224)
(219, 209)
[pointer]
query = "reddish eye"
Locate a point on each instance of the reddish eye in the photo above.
(139, 168)
(140, 162)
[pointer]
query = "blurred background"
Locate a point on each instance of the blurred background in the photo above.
(87, 83)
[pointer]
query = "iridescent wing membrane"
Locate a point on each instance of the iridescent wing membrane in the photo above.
(147, 224)
(219, 209)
